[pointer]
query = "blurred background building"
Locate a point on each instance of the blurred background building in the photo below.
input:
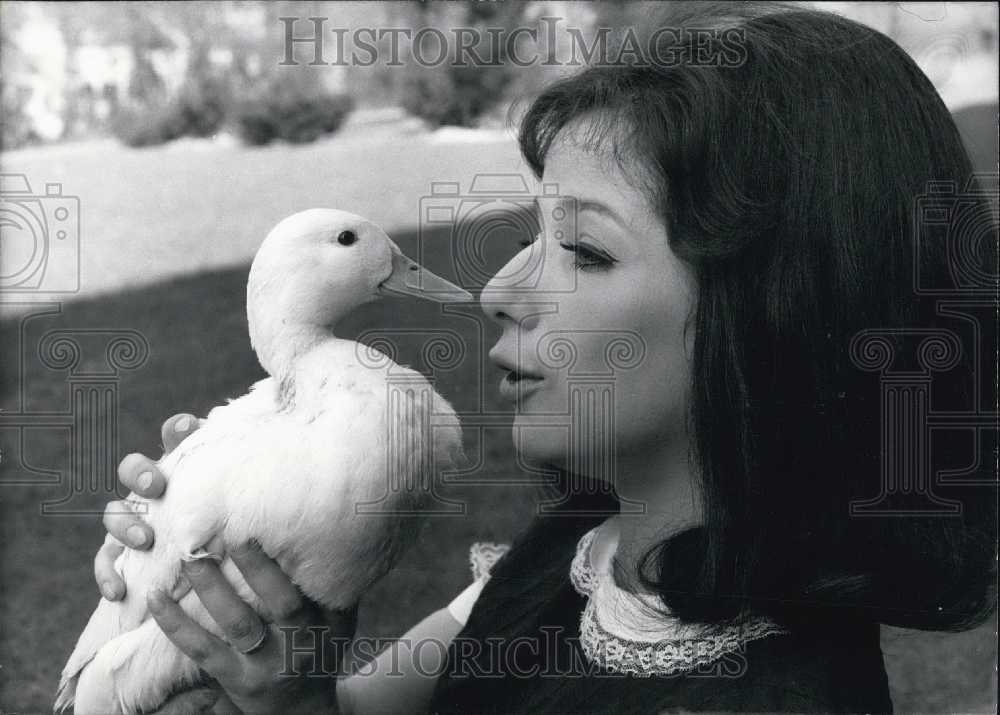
(77, 70)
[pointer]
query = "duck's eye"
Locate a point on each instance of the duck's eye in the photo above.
(346, 238)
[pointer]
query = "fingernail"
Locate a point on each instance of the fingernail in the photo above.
(181, 588)
(216, 546)
(136, 535)
(108, 590)
(182, 425)
(194, 566)
(145, 480)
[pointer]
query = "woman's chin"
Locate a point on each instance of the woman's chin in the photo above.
(540, 445)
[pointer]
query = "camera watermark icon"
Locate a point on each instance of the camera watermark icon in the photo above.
(964, 222)
(497, 215)
(926, 11)
(39, 238)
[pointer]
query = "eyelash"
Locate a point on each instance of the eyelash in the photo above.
(592, 260)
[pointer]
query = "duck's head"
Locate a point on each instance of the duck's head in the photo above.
(317, 266)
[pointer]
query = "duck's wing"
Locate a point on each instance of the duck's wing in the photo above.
(159, 567)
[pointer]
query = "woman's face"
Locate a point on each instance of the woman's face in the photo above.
(595, 314)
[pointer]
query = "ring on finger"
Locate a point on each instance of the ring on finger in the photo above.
(256, 646)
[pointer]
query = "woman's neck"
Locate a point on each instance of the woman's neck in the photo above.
(666, 488)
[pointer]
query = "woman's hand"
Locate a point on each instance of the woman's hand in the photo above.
(252, 670)
(285, 663)
(125, 527)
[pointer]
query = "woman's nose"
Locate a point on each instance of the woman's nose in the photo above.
(505, 312)
(506, 299)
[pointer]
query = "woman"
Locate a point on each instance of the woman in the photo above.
(745, 220)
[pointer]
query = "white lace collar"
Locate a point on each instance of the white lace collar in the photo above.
(621, 631)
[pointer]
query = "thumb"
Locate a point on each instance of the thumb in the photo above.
(341, 623)
(341, 626)
(224, 706)
(199, 700)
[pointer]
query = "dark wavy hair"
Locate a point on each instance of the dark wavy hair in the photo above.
(791, 180)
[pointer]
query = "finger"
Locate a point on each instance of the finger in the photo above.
(176, 429)
(111, 584)
(242, 627)
(199, 645)
(342, 622)
(140, 474)
(199, 700)
(284, 603)
(126, 526)
(225, 706)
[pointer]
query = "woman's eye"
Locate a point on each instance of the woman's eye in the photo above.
(586, 258)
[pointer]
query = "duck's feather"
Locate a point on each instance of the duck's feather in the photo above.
(293, 479)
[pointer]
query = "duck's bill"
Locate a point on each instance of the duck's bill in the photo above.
(409, 278)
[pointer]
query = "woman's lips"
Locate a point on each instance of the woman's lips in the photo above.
(515, 386)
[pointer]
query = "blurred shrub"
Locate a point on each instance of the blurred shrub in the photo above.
(430, 94)
(16, 129)
(145, 127)
(293, 118)
(197, 112)
(289, 112)
(456, 96)
(201, 112)
(459, 93)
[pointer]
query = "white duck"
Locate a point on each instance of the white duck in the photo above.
(285, 464)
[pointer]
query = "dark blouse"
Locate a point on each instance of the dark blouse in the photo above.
(519, 652)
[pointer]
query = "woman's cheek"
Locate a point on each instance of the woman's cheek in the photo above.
(649, 407)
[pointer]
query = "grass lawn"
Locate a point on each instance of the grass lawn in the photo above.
(199, 355)
(194, 206)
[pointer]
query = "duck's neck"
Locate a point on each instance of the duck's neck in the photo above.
(280, 350)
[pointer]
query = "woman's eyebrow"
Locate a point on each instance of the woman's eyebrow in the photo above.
(586, 205)
(602, 209)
